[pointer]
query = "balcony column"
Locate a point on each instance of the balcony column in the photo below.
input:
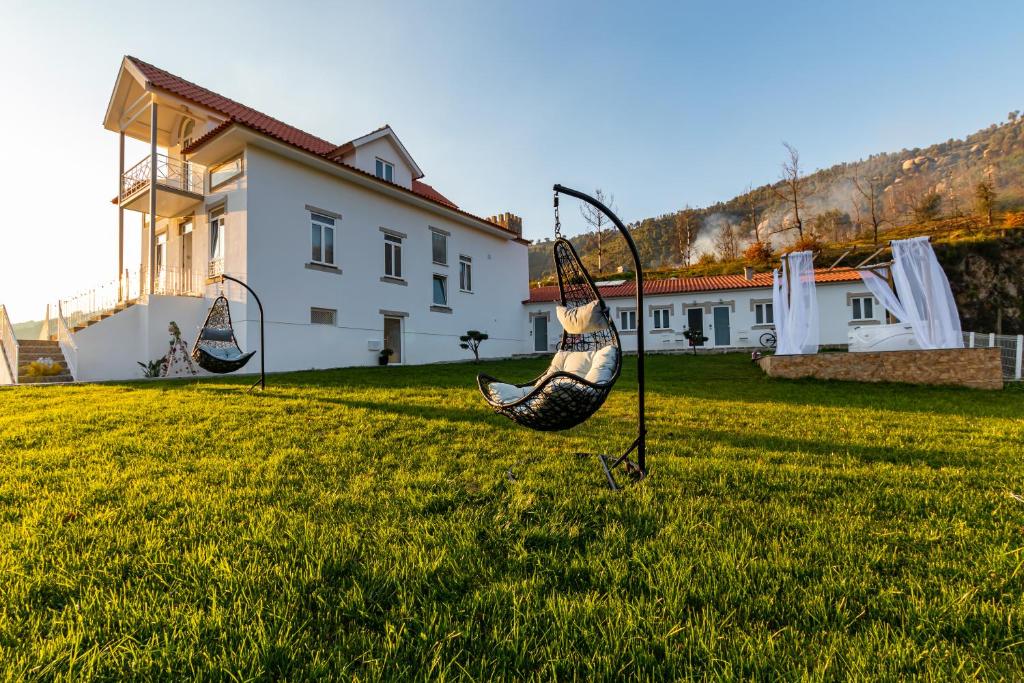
(120, 221)
(152, 195)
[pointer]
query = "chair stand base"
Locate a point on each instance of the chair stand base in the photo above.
(609, 463)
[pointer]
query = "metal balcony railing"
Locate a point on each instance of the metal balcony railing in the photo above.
(172, 173)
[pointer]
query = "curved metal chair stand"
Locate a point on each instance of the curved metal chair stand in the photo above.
(563, 400)
(216, 350)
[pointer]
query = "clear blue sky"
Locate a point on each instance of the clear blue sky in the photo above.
(663, 104)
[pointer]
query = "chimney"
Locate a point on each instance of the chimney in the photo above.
(509, 221)
(748, 273)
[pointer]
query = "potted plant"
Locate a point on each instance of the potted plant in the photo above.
(384, 356)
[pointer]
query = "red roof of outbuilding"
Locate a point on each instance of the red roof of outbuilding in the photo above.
(237, 113)
(685, 285)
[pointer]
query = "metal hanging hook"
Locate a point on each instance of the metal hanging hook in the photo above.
(558, 220)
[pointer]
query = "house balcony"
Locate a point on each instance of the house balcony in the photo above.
(179, 186)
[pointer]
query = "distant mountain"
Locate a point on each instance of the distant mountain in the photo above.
(909, 186)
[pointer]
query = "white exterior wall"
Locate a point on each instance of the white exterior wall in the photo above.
(112, 348)
(835, 317)
(279, 250)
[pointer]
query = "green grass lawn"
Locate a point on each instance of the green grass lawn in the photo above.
(358, 523)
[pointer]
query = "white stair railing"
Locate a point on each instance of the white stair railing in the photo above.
(8, 349)
(68, 345)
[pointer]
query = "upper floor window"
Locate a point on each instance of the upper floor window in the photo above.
(392, 256)
(225, 173)
(863, 308)
(322, 233)
(763, 314)
(188, 126)
(627, 321)
(465, 273)
(385, 170)
(439, 247)
(217, 234)
(661, 318)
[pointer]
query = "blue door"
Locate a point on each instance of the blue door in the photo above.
(722, 336)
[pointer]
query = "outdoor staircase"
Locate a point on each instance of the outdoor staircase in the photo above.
(97, 317)
(34, 350)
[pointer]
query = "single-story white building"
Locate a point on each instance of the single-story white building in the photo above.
(734, 311)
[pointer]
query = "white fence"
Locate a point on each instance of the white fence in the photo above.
(1011, 350)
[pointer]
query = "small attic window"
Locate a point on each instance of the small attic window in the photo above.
(385, 170)
(185, 132)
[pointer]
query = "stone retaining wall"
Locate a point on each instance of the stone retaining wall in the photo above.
(975, 368)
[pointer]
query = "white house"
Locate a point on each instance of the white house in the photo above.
(346, 246)
(734, 311)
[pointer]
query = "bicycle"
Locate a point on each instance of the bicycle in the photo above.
(768, 340)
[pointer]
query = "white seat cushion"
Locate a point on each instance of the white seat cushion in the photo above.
(578, 362)
(602, 367)
(508, 393)
(581, 319)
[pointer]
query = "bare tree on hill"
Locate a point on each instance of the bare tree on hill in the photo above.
(868, 189)
(598, 221)
(753, 213)
(687, 225)
(794, 188)
(727, 243)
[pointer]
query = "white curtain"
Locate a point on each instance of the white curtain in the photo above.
(795, 303)
(881, 290)
(922, 298)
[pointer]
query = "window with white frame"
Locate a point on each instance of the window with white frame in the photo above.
(322, 236)
(217, 235)
(627, 321)
(392, 255)
(439, 247)
(465, 273)
(763, 314)
(440, 290)
(323, 316)
(863, 308)
(662, 318)
(385, 170)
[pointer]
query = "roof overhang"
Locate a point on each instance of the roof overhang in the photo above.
(128, 107)
(233, 138)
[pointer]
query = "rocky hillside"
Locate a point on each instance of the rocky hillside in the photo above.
(911, 186)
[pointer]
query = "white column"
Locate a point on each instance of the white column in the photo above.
(120, 222)
(152, 195)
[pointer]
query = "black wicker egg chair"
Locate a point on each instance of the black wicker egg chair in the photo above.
(561, 400)
(216, 350)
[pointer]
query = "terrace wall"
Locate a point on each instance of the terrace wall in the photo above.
(974, 368)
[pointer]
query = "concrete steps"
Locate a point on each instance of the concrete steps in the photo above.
(30, 351)
(98, 317)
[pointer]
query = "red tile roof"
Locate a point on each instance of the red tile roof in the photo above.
(684, 285)
(237, 113)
